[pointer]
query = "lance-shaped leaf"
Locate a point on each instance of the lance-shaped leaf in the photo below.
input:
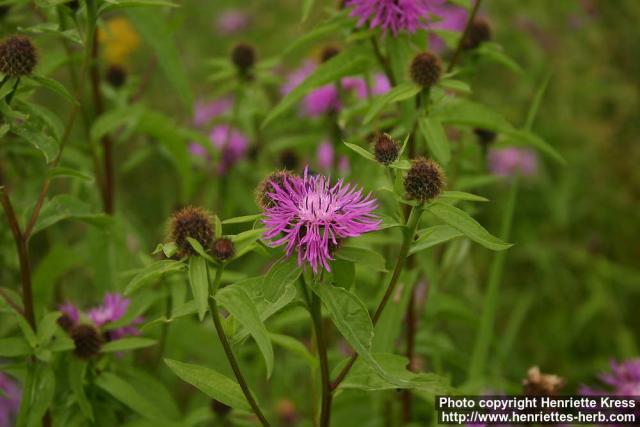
(199, 281)
(433, 132)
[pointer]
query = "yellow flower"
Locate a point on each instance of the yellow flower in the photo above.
(119, 40)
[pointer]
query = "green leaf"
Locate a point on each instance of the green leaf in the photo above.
(433, 236)
(307, 5)
(398, 93)
(461, 221)
(537, 100)
(199, 249)
(47, 326)
(110, 5)
(241, 307)
(351, 318)
(242, 219)
(66, 206)
(14, 346)
(112, 120)
(284, 271)
(461, 195)
(464, 112)
(64, 172)
(199, 281)
(210, 382)
(363, 257)
(77, 369)
(123, 344)
(495, 52)
(526, 138)
(361, 151)
(363, 377)
(456, 85)
(161, 38)
(152, 273)
(44, 143)
(217, 225)
(41, 395)
(294, 346)
(344, 64)
(129, 396)
(433, 132)
(54, 86)
(325, 29)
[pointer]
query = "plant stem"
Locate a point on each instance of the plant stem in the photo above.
(384, 62)
(215, 315)
(23, 257)
(410, 232)
(485, 330)
(464, 36)
(316, 316)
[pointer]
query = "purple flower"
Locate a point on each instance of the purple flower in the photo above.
(113, 308)
(394, 15)
(295, 78)
(381, 85)
(205, 111)
(451, 18)
(70, 310)
(512, 161)
(344, 166)
(325, 155)
(312, 217)
(9, 400)
(322, 100)
(232, 21)
(231, 143)
(623, 380)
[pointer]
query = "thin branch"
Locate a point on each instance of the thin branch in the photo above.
(384, 62)
(465, 34)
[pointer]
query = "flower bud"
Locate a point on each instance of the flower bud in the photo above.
(263, 197)
(191, 222)
(426, 69)
(243, 57)
(18, 56)
(385, 150)
(479, 32)
(539, 384)
(116, 75)
(223, 249)
(220, 409)
(87, 340)
(485, 136)
(424, 181)
(328, 52)
(66, 322)
(289, 159)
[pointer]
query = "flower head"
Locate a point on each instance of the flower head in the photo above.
(394, 15)
(205, 111)
(10, 395)
(266, 187)
(311, 216)
(322, 100)
(325, 155)
(479, 32)
(623, 380)
(191, 222)
(426, 69)
(385, 149)
(87, 340)
(243, 56)
(18, 56)
(424, 181)
(512, 161)
(113, 308)
(231, 143)
(232, 21)
(116, 75)
(223, 249)
(119, 39)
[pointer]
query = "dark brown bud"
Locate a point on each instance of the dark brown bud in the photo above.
(539, 384)
(289, 160)
(425, 180)
(87, 340)
(74, 5)
(220, 409)
(328, 52)
(426, 69)
(479, 32)
(485, 136)
(66, 322)
(191, 222)
(223, 249)
(385, 150)
(243, 57)
(116, 75)
(18, 56)
(263, 197)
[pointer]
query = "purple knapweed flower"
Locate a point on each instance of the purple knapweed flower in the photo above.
(296, 77)
(623, 380)
(70, 310)
(231, 143)
(450, 18)
(312, 217)
(232, 21)
(394, 15)
(205, 111)
(513, 161)
(321, 100)
(10, 395)
(325, 155)
(113, 308)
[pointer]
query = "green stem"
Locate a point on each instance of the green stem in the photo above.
(215, 315)
(485, 331)
(409, 234)
(315, 308)
(464, 36)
